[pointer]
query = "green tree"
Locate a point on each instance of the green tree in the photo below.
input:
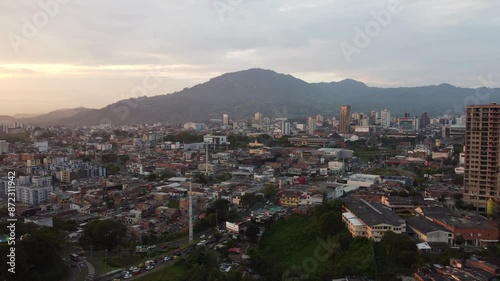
(202, 256)
(38, 255)
(124, 158)
(109, 158)
(106, 234)
(65, 225)
(220, 204)
(269, 190)
(250, 199)
(112, 169)
(152, 177)
(252, 232)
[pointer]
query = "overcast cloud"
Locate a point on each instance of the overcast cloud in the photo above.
(92, 53)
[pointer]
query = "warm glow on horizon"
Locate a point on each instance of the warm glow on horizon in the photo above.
(91, 54)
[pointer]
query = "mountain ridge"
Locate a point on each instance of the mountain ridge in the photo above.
(240, 94)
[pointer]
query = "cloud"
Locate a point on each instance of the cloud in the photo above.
(116, 41)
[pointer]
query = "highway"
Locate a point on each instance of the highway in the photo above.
(171, 245)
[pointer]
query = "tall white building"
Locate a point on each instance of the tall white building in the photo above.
(41, 181)
(285, 128)
(4, 147)
(311, 125)
(225, 119)
(385, 118)
(33, 195)
(257, 118)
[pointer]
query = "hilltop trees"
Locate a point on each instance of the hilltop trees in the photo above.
(105, 234)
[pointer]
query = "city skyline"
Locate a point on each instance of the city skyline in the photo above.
(116, 48)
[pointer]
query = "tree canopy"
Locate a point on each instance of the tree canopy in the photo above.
(104, 234)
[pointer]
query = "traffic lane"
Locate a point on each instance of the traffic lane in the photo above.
(81, 271)
(160, 263)
(158, 267)
(183, 241)
(175, 243)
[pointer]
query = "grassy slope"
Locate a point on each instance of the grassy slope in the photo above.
(286, 245)
(172, 272)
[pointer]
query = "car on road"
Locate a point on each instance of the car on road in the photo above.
(164, 246)
(202, 236)
(149, 267)
(127, 276)
(152, 247)
(167, 258)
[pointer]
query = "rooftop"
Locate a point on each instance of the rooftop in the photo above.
(424, 225)
(372, 213)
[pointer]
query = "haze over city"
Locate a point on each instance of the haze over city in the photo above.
(243, 140)
(92, 54)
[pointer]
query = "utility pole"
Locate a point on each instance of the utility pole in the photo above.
(190, 213)
(106, 260)
(216, 220)
(206, 160)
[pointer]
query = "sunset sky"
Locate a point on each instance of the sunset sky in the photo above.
(92, 53)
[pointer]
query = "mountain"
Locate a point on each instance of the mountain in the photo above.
(24, 115)
(241, 94)
(56, 117)
(7, 118)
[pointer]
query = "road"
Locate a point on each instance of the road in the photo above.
(172, 244)
(83, 270)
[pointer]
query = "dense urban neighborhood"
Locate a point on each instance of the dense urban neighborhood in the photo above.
(349, 197)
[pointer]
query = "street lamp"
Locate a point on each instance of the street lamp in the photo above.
(105, 260)
(190, 212)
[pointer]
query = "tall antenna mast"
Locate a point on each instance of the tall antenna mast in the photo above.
(190, 213)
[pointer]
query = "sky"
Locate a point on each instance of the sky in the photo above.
(68, 53)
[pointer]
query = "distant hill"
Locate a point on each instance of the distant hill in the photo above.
(21, 115)
(56, 117)
(241, 94)
(7, 118)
